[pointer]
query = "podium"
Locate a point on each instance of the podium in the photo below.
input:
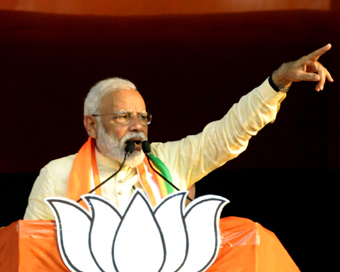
(27, 246)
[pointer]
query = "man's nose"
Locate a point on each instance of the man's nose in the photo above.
(135, 124)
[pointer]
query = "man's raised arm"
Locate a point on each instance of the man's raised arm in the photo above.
(306, 68)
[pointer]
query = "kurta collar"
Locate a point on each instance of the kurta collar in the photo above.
(106, 162)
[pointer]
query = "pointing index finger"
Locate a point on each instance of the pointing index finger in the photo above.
(314, 56)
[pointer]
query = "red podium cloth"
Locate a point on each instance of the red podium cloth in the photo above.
(249, 247)
(27, 246)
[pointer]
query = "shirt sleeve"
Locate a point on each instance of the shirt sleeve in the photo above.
(42, 188)
(52, 181)
(193, 157)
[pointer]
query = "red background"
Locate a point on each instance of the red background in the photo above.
(189, 68)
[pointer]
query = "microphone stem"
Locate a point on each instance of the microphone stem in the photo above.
(147, 155)
(110, 177)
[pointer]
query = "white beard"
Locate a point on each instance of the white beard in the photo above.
(112, 148)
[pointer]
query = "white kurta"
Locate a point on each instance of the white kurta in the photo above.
(188, 160)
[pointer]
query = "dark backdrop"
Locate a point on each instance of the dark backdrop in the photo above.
(190, 70)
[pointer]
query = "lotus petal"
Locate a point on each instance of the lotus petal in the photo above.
(73, 225)
(170, 217)
(139, 244)
(201, 217)
(105, 221)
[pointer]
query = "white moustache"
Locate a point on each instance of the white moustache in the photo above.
(136, 135)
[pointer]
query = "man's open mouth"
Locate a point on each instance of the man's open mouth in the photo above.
(137, 142)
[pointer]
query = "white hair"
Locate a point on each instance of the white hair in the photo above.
(103, 88)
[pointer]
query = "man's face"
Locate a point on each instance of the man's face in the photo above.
(112, 136)
(125, 100)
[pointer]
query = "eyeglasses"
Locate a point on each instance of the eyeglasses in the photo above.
(125, 117)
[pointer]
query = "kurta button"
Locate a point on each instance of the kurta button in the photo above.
(120, 180)
(120, 192)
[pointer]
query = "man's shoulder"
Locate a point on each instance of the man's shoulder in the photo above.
(63, 160)
(62, 164)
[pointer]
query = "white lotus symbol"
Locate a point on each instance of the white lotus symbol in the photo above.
(166, 238)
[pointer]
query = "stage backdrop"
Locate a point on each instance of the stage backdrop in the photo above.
(190, 67)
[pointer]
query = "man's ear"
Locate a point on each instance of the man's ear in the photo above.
(91, 126)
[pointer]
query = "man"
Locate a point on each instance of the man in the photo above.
(115, 112)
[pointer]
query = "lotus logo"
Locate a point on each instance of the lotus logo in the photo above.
(165, 238)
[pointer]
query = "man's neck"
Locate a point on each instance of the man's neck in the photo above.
(105, 161)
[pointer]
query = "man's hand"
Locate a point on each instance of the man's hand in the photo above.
(306, 68)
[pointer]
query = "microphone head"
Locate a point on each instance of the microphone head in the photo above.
(146, 147)
(130, 146)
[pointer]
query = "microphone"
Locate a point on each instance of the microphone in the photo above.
(130, 146)
(147, 149)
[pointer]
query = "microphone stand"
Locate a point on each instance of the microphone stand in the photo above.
(146, 148)
(128, 150)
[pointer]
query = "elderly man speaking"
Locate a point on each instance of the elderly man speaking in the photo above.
(115, 113)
